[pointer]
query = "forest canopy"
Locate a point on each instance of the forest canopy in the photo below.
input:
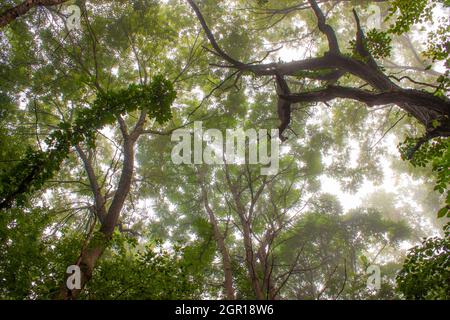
(346, 101)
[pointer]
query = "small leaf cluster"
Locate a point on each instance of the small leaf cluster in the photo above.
(147, 271)
(379, 44)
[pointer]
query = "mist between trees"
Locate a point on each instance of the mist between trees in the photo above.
(118, 162)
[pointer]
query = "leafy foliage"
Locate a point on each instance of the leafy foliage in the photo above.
(142, 272)
(425, 273)
(379, 43)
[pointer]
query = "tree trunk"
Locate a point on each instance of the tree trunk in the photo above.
(220, 240)
(87, 262)
(97, 245)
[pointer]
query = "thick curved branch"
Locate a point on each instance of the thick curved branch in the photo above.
(210, 36)
(371, 98)
(422, 105)
(325, 28)
(21, 9)
(122, 190)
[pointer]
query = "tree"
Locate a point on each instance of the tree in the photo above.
(9, 15)
(425, 273)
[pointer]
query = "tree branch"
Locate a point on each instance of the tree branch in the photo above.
(21, 9)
